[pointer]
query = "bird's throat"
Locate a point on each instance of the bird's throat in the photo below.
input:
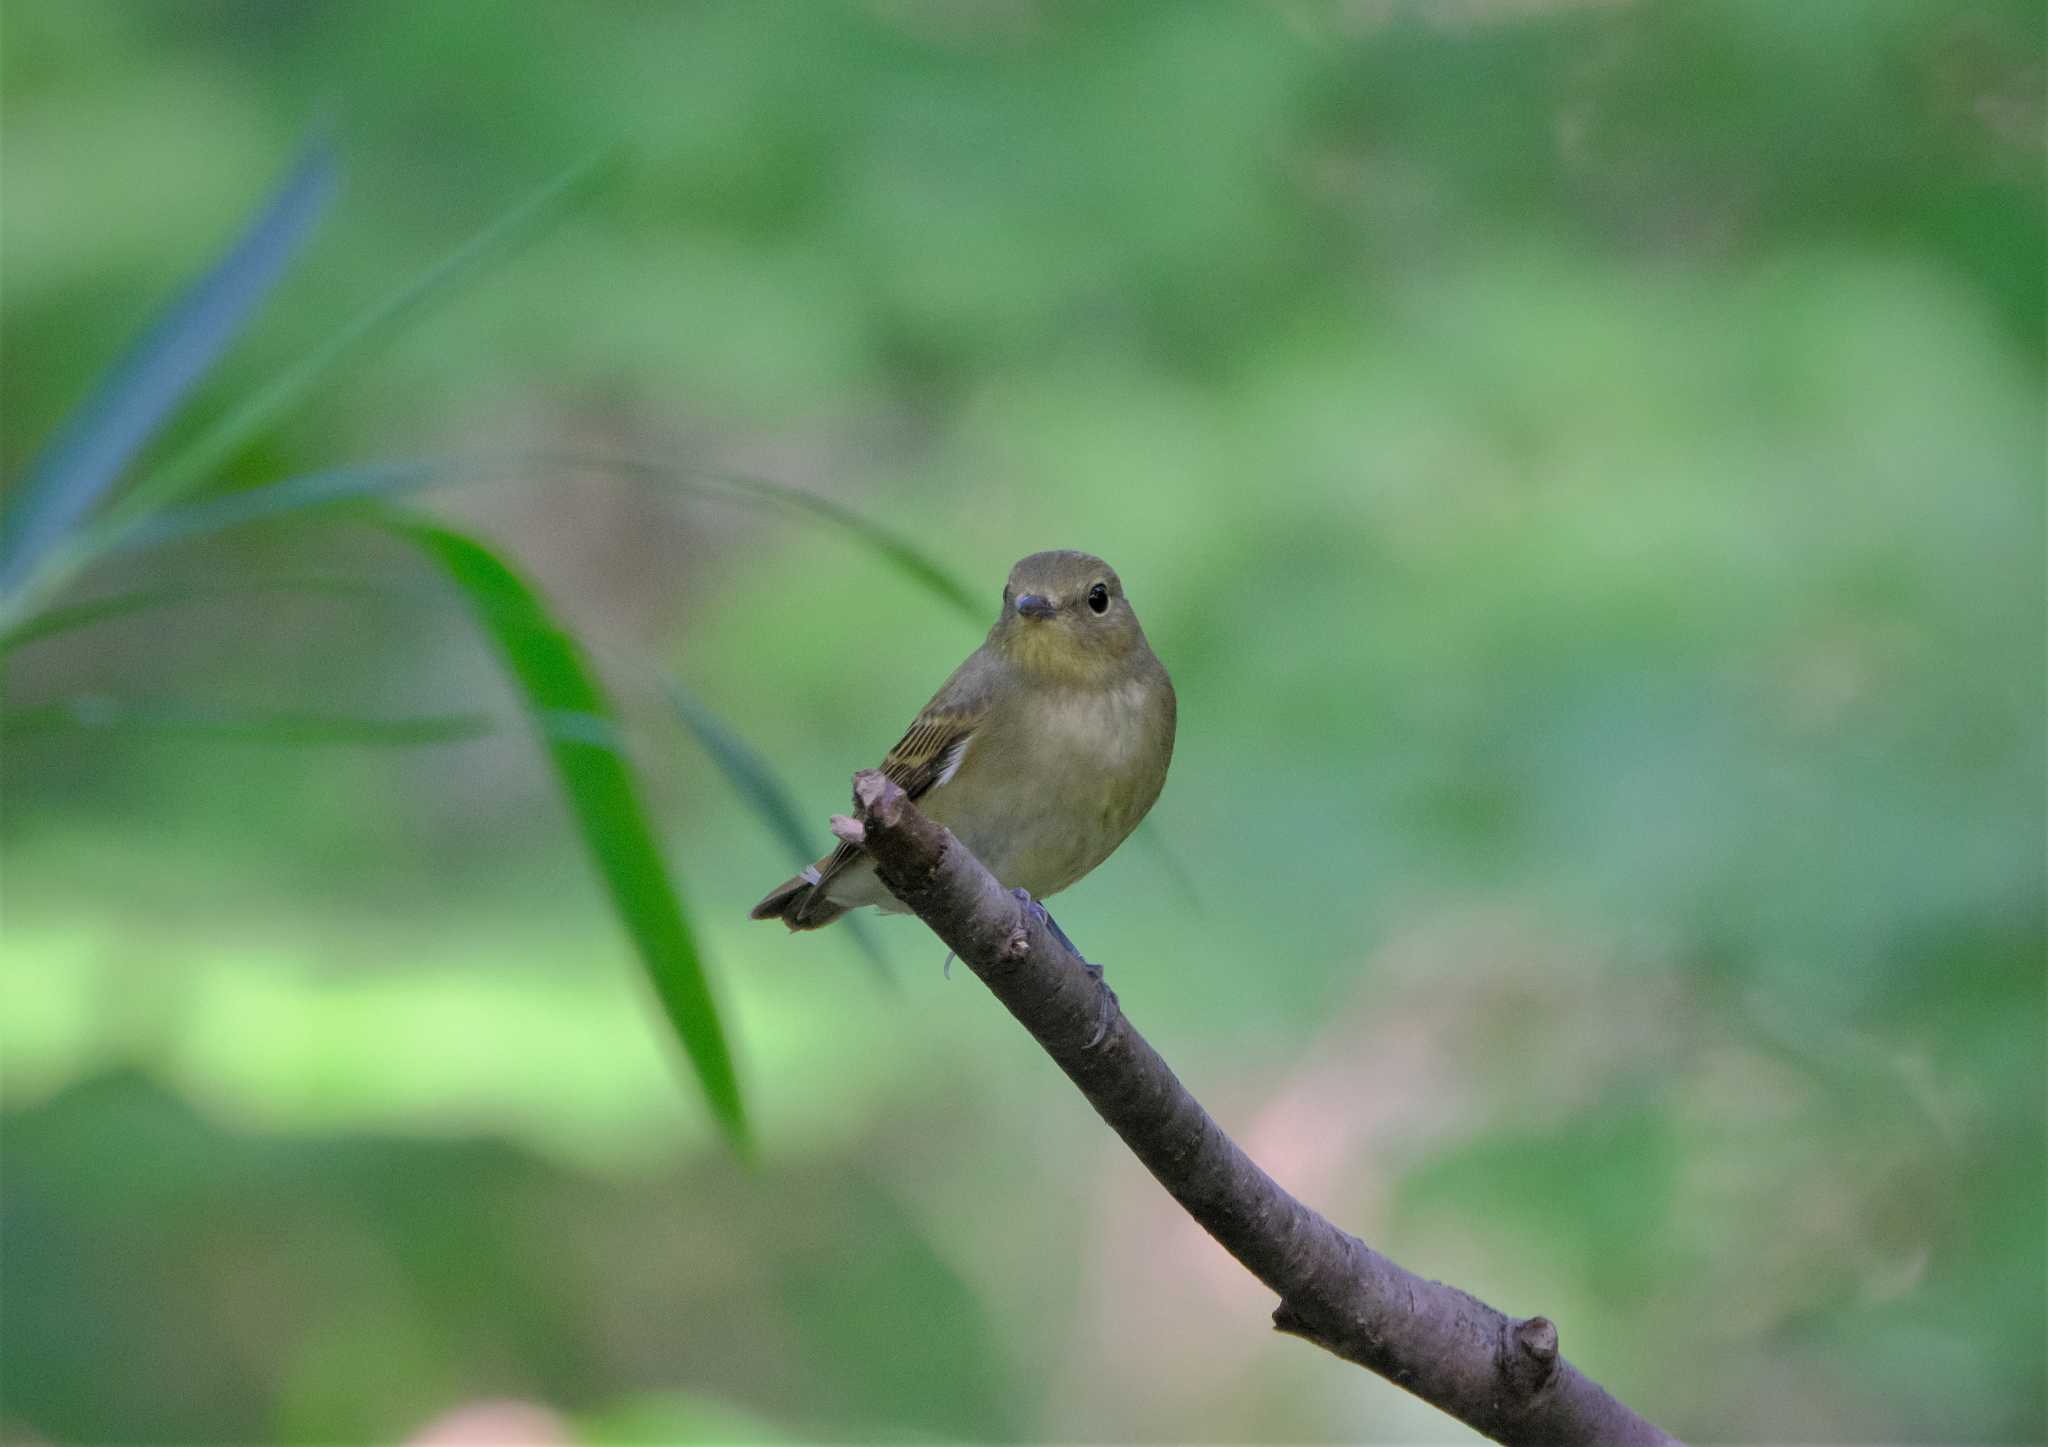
(1052, 655)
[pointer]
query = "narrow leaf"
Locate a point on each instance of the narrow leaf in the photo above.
(578, 725)
(179, 719)
(88, 453)
(747, 770)
(892, 546)
(341, 486)
(328, 489)
(757, 783)
(55, 622)
(313, 374)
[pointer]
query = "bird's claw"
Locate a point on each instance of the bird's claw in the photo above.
(1106, 1006)
(1105, 997)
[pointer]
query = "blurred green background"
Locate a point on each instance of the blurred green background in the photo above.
(1581, 462)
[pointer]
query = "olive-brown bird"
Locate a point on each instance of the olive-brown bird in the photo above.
(1041, 753)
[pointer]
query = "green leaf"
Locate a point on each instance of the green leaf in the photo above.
(886, 543)
(578, 725)
(55, 622)
(329, 489)
(344, 486)
(314, 373)
(758, 784)
(748, 771)
(99, 439)
(179, 719)
(893, 547)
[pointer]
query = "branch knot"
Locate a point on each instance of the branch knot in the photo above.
(1528, 1357)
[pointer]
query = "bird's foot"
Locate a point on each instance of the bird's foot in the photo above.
(1106, 1003)
(1106, 997)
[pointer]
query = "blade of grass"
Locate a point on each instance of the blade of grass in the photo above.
(342, 486)
(556, 685)
(757, 783)
(55, 622)
(891, 546)
(178, 719)
(345, 487)
(263, 409)
(749, 773)
(329, 489)
(103, 434)
(747, 770)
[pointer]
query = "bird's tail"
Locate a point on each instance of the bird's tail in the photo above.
(799, 903)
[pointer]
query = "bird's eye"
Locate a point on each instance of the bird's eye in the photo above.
(1098, 598)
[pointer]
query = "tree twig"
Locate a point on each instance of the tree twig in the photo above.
(1502, 1377)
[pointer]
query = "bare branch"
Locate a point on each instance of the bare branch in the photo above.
(1500, 1376)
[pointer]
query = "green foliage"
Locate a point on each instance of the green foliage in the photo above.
(49, 531)
(264, 409)
(97, 442)
(279, 727)
(576, 721)
(758, 784)
(1581, 462)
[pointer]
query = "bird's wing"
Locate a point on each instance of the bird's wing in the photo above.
(930, 751)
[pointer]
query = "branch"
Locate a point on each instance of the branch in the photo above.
(1502, 1377)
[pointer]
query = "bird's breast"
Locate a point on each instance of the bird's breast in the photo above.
(1106, 728)
(1047, 795)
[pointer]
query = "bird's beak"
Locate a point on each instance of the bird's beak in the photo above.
(1033, 606)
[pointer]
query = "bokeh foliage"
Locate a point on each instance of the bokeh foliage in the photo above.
(1581, 462)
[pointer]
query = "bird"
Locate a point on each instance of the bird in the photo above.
(1041, 753)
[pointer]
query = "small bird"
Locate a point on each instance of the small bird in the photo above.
(1041, 753)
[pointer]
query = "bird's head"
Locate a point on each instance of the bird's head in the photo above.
(1065, 617)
